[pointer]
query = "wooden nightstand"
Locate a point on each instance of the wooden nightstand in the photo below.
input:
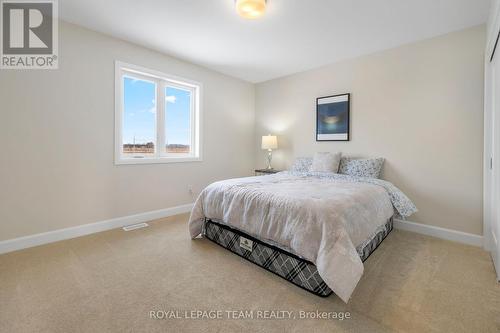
(262, 172)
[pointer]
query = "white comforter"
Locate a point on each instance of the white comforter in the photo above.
(322, 218)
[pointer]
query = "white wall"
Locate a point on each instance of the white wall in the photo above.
(420, 106)
(57, 132)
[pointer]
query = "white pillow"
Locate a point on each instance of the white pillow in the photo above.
(326, 162)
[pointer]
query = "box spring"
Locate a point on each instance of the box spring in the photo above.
(289, 266)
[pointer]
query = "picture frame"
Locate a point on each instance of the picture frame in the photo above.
(333, 117)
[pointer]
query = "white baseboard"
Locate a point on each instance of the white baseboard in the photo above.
(448, 234)
(87, 229)
(91, 228)
(494, 255)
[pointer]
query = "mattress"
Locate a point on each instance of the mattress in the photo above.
(299, 271)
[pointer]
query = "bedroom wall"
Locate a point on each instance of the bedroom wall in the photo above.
(57, 134)
(420, 106)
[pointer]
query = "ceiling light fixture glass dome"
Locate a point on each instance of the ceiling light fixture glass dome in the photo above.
(251, 9)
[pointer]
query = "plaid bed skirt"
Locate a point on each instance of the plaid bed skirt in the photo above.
(289, 266)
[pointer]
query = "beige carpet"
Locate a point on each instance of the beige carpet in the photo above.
(109, 282)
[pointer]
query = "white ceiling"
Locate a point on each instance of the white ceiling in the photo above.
(293, 36)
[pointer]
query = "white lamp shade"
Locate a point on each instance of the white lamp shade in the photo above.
(269, 142)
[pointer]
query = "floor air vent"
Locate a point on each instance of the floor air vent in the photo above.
(135, 226)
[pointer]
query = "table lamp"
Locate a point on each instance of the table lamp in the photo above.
(269, 142)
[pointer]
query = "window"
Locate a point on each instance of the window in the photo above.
(157, 117)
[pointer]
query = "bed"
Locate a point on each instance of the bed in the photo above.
(313, 229)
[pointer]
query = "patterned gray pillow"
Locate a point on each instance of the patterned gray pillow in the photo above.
(302, 164)
(371, 167)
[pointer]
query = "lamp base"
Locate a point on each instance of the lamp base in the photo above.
(269, 159)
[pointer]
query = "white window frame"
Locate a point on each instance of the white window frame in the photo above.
(162, 81)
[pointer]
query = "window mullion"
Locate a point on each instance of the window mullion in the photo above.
(160, 112)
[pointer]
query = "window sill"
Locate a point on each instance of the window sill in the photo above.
(161, 160)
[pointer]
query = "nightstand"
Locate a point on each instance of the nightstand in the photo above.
(262, 172)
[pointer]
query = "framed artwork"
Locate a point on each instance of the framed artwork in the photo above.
(332, 118)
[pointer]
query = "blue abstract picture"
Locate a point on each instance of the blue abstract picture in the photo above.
(332, 117)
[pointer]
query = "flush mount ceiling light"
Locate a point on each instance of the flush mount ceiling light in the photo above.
(251, 9)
